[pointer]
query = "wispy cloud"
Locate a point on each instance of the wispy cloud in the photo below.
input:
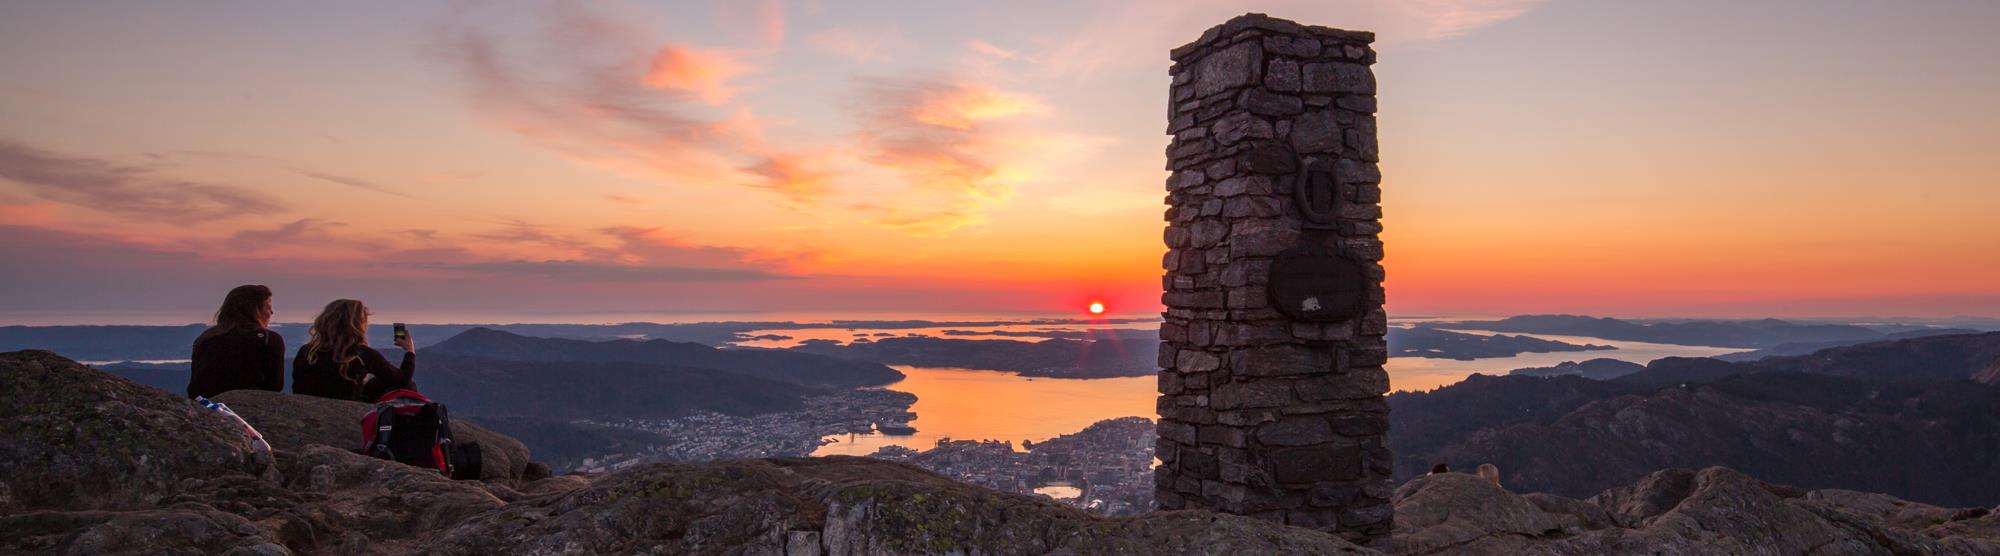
(612, 95)
(307, 233)
(860, 44)
(1442, 19)
(955, 141)
(99, 184)
(356, 183)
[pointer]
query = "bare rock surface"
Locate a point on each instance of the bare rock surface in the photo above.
(1679, 511)
(291, 422)
(75, 438)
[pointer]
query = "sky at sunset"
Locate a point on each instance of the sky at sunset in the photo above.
(485, 161)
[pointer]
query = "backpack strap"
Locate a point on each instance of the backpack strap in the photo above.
(385, 426)
(444, 443)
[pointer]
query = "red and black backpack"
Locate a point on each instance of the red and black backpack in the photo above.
(407, 427)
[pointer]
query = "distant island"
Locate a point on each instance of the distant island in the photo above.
(1426, 341)
(1750, 334)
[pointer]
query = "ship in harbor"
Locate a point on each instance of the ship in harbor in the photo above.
(893, 428)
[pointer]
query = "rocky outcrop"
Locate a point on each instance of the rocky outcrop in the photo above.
(74, 438)
(1678, 511)
(291, 422)
(1928, 442)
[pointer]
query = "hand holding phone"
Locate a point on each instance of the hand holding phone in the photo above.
(403, 338)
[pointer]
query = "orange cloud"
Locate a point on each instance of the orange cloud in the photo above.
(959, 106)
(699, 72)
(796, 176)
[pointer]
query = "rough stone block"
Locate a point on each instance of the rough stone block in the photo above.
(1306, 465)
(1243, 185)
(1301, 47)
(1253, 394)
(1351, 171)
(1193, 361)
(1263, 237)
(1301, 430)
(1266, 103)
(1281, 360)
(1261, 206)
(1282, 76)
(1316, 132)
(1236, 128)
(1223, 435)
(1235, 66)
(1354, 384)
(1338, 78)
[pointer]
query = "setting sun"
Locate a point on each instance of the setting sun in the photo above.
(1096, 308)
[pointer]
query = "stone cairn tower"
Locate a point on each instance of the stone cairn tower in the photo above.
(1271, 358)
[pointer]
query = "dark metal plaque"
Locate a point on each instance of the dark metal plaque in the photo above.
(1310, 284)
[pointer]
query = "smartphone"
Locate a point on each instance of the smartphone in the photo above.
(401, 332)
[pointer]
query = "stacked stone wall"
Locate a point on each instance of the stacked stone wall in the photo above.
(1268, 411)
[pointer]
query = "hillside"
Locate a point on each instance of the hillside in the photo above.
(803, 369)
(1932, 442)
(573, 390)
(1953, 357)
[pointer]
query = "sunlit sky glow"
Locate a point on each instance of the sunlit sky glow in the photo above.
(451, 160)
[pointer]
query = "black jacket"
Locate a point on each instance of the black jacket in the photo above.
(323, 377)
(239, 359)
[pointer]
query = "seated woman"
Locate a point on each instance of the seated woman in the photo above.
(337, 362)
(240, 352)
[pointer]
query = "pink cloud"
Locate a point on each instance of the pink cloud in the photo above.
(699, 72)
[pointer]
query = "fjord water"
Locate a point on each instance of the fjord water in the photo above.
(965, 404)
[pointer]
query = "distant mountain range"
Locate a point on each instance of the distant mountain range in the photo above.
(1805, 348)
(804, 369)
(1754, 334)
(1915, 418)
(1596, 369)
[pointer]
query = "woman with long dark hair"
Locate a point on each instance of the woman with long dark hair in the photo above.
(239, 351)
(337, 362)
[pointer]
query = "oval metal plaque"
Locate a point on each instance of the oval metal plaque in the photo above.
(1310, 284)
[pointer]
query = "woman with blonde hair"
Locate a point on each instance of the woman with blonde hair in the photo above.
(337, 362)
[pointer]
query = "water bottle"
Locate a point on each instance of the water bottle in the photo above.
(257, 443)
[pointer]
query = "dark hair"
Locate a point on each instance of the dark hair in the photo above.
(239, 310)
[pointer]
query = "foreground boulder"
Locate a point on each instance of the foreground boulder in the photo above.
(75, 438)
(291, 422)
(1678, 511)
